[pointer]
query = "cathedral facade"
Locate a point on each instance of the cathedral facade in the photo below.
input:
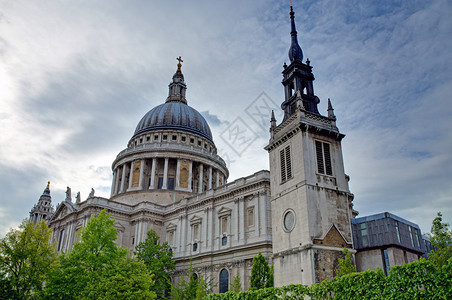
(170, 179)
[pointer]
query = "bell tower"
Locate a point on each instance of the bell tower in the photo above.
(310, 199)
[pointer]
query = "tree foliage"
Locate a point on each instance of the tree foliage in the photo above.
(97, 269)
(128, 279)
(26, 256)
(345, 264)
(158, 259)
(197, 287)
(261, 273)
(417, 280)
(236, 285)
(441, 239)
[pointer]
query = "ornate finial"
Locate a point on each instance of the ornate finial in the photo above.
(295, 52)
(48, 184)
(179, 65)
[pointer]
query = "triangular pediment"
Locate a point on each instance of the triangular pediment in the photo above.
(224, 211)
(171, 227)
(195, 219)
(119, 226)
(334, 238)
(63, 209)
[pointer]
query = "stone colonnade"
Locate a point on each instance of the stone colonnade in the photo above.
(164, 173)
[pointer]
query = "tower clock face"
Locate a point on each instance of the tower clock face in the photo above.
(289, 220)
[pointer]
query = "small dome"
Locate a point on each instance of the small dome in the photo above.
(174, 115)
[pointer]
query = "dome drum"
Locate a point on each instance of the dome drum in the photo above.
(171, 150)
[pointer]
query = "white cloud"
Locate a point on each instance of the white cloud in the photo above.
(77, 77)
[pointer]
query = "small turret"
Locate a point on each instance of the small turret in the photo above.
(43, 209)
(177, 88)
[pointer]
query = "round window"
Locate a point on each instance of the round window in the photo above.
(289, 220)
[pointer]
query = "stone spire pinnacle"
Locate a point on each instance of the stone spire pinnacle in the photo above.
(178, 87)
(295, 52)
(330, 110)
(273, 120)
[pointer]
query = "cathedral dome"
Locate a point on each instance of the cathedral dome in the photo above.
(174, 115)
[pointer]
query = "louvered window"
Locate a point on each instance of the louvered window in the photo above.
(286, 166)
(323, 158)
(283, 165)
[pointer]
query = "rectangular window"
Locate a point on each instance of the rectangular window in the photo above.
(364, 235)
(60, 242)
(411, 236)
(183, 139)
(195, 232)
(385, 261)
(170, 183)
(323, 158)
(397, 230)
(171, 237)
(417, 238)
(251, 217)
(283, 165)
(224, 225)
(286, 164)
(160, 183)
(174, 137)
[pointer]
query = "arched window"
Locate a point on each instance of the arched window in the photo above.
(224, 281)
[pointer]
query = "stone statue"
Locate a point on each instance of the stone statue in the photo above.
(91, 194)
(68, 194)
(78, 198)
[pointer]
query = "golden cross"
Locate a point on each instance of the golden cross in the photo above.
(179, 64)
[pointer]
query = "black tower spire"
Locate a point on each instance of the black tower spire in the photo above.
(295, 52)
(298, 78)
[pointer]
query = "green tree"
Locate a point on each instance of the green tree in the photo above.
(236, 285)
(197, 287)
(158, 259)
(441, 239)
(26, 256)
(97, 269)
(345, 264)
(261, 275)
(127, 279)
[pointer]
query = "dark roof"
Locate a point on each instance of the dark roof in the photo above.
(383, 216)
(174, 116)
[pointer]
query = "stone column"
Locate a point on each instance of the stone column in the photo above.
(178, 175)
(123, 178)
(113, 183)
(201, 175)
(130, 175)
(165, 175)
(152, 183)
(140, 182)
(258, 213)
(209, 184)
(117, 181)
(243, 218)
(237, 223)
(217, 179)
(190, 176)
(266, 218)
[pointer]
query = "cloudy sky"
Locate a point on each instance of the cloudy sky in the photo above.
(77, 76)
